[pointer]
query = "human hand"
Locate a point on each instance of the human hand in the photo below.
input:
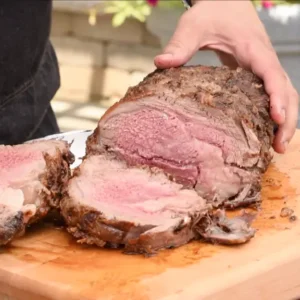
(234, 31)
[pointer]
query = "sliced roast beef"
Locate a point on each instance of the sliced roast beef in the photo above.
(34, 177)
(111, 204)
(208, 127)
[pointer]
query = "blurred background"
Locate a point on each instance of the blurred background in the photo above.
(103, 47)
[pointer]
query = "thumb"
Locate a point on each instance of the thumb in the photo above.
(182, 46)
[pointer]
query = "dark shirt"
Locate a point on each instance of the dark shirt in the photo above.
(29, 74)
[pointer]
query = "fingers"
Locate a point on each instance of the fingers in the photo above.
(198, 29)
(263, 61)
(287, 130)
(275, 86)
(182, 46)
(265, 64)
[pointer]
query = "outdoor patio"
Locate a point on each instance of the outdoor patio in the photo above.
(74, 116)
(97, 63)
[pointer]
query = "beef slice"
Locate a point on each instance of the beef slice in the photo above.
(109, 204)
(34, 177)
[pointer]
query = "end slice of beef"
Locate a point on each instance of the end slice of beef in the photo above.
(34, 177)
(208, 127)
(109, 204)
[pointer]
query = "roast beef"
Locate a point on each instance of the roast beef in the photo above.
(33, 178)
(141, 209)
(207, 127)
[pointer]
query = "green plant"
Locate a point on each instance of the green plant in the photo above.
(141, 9)
(124, 9)
(121, 10)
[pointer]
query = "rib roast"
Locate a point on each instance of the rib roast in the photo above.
(208, 127)
(182, 142)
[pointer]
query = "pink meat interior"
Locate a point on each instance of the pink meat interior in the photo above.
(22, 163)
(116, 190)
(203, 149)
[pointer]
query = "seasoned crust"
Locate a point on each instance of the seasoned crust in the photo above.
(12, 226)
(55, 180)
(89, 226)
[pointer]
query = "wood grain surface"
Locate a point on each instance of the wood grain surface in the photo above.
(47, 264)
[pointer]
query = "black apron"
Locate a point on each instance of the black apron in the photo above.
(29, 73)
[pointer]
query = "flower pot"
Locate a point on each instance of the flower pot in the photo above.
(282, 24)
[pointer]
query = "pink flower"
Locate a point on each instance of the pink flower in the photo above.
(152, 2)
(267, 3)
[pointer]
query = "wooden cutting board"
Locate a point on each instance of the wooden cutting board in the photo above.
(48, 264)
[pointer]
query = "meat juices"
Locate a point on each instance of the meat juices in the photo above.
(33, 178)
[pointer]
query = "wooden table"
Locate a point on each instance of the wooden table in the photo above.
(48, 264)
